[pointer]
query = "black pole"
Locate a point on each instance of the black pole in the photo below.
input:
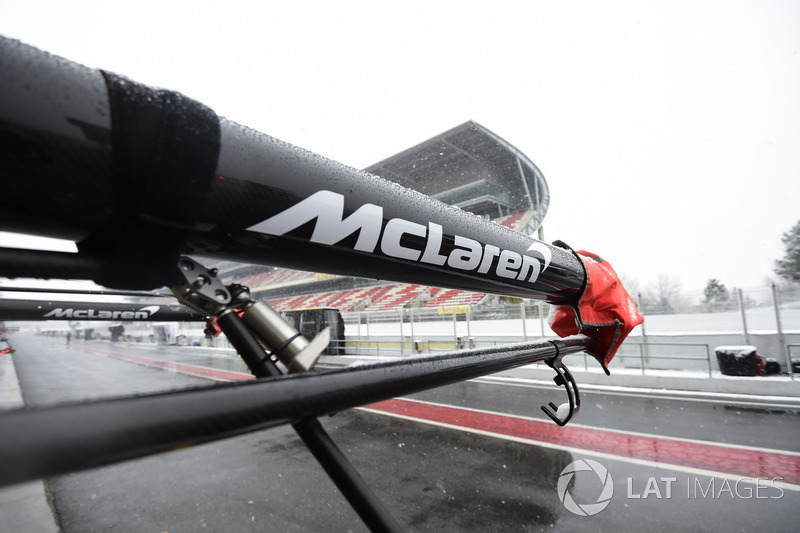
(94, 311)
(18, 263)
(48, 441)
(319, 443)
(247, 346)
(134, 195)
(97, 292)
(347, 479)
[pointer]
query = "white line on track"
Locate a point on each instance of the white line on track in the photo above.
(782, 402)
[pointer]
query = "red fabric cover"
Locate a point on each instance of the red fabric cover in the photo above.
(605, 312)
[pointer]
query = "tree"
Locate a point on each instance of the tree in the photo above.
(715, 293)
(789, 267)
(664, 295)
(630, 283)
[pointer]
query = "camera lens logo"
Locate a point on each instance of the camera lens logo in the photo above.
(592, 468)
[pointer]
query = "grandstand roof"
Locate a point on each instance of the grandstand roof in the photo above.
(473, 168)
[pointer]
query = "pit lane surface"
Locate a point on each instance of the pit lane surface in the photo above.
(432, 475)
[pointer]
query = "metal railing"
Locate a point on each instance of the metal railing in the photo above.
(406, 332)
(672, 358)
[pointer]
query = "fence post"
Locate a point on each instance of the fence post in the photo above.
(781, 339)
(708, 359)
(411, 321)
(644, 350)
(455, 329)
(402, 344)
(366, 323)
(541, 317)
(358, 329)
(524, 326)
(745, 333)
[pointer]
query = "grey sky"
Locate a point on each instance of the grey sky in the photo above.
(668, 132)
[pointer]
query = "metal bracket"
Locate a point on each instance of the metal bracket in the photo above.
(203, 291)
(563, 413)
(200, 288)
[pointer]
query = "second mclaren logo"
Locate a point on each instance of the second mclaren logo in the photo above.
(102, 314)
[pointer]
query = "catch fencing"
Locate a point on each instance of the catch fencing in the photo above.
(767, 318)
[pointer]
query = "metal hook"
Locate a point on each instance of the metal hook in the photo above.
(563, 413)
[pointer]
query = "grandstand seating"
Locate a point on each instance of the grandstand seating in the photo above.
(279, 303)
(454, 297)
(279, 277)
(441, 297)
(255, 281)
(379, 298)
(348, 300)
(397, 296)
(376, 297)
(511, 221)
(294, 302)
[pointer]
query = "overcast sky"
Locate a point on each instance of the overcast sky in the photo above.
(668, 132)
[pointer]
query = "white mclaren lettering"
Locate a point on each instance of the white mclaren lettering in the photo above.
(533, 264)
(508, 264)
(102, 314)
(467, 255)
(490, 252)
(529, 264)
(331, 226)
(59, 313)
(431, 254)
(394, 231)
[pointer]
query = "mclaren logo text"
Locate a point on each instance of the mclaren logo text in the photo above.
(102, 314)
(467, 254)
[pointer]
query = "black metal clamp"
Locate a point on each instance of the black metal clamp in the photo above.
(563, 413)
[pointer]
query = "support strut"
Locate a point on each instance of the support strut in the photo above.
(261, 324)
(330, 457)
